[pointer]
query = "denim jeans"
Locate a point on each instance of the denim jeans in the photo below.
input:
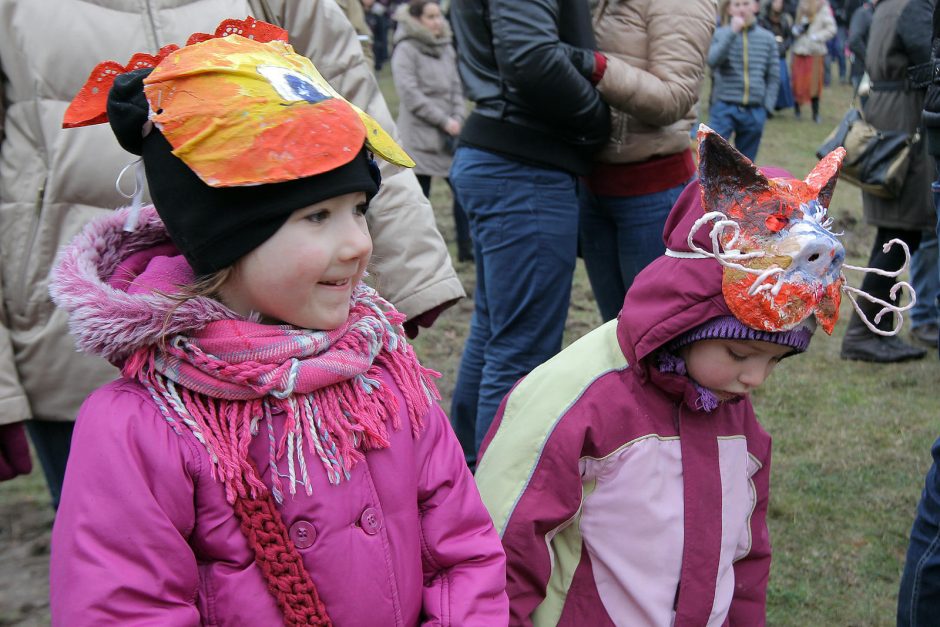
(919, 596)
(621, 235)
(524, 224)
(52, 440)
(746, 123)
(925, 272)
(925, 278)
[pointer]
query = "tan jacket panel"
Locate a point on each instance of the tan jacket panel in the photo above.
(656, 53)
(52, 181)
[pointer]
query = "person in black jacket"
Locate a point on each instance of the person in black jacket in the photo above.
(530, 67)
(859, 27)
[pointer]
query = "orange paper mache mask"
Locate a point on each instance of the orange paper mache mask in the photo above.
(242, 108)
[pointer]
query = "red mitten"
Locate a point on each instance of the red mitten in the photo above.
(14, 451)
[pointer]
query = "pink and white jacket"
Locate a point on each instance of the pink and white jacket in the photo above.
(144, 534)
(618, 500)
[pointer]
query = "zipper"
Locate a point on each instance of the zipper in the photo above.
(20, 292)
(747, 71)
(153, 25)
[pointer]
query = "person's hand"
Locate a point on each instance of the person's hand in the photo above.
(14, 451)
(452, 127)
(737, 24)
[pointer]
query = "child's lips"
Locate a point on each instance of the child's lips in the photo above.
(339, 283)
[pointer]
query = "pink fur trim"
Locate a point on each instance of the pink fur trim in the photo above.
(106, 320)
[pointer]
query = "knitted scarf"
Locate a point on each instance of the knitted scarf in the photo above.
(222, 383)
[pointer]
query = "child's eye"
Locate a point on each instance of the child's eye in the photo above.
(736, 356)
(318, 216)
(362, 208)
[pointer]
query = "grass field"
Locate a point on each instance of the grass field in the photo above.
(851, 441)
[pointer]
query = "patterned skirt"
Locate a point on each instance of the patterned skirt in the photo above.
(807, 77)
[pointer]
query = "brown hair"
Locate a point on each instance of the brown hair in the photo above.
(416, 7)
(204, 287)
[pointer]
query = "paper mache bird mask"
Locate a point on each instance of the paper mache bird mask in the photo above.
(781, 262)
(240, 107)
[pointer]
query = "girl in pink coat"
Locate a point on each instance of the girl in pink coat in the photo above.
(273, 452)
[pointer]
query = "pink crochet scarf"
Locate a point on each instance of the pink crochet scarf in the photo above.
(223, 381)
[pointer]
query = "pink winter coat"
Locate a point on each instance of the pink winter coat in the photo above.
(145, 536)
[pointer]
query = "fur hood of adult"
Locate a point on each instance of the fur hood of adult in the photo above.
(111, 315)
(410, 28)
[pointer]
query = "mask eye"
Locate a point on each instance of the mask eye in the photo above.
(776, 222)
(292, 86)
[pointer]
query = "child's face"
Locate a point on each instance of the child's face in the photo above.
(744, 9)
(305, 273)
(731, 368)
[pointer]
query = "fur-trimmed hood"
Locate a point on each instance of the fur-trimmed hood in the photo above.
(117, 290)
(410, 28)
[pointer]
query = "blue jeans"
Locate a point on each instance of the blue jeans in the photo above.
(925, 278)
(925, 272)
(52, 440)
(745, 122)
(919, 596)
(621, 235)
(524, 224)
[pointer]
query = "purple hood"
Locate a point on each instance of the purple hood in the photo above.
(672, 296)
(114, 284)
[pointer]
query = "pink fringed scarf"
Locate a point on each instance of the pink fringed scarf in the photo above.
(223, 381)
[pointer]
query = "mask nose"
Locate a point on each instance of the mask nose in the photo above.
(819, 255)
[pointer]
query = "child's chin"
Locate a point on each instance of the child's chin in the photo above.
(726, 396)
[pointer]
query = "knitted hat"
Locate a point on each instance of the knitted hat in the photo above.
(730, 328)
(236, 133)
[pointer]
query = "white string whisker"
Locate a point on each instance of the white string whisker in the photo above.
(886, 307)
(888, 273)
(759, 286)
(724, 257)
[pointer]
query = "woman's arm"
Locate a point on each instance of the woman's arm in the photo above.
(668, 87)
(406, 66)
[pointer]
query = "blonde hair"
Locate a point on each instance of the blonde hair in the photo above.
(208, 286)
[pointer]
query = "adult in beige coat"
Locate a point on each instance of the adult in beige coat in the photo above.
(53, 181)
(655, 51)
(431, 106)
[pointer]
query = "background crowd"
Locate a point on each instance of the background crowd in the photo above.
(585, 158)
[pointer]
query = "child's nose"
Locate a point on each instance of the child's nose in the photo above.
(356, 241)
(753, 375)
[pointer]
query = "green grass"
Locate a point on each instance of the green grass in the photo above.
(851, 440)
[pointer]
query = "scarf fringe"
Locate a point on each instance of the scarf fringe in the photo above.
(335, 424)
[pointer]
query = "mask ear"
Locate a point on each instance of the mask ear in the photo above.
(822, 180)
(724, 173)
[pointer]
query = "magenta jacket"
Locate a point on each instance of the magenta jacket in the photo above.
(145, 536)
(619, 499)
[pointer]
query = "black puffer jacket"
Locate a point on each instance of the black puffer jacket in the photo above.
(527, 66)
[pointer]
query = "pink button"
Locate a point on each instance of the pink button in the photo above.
(370, 521)
(303, 534)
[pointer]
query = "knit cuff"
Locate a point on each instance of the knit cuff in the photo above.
(600, 66)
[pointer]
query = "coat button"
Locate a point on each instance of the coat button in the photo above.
(370, 521)
(303, 534)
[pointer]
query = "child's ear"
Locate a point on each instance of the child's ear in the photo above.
(724, 173)
(822, 180)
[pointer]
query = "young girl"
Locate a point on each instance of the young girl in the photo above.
(628, 476)
(273, 453)
(813, 26)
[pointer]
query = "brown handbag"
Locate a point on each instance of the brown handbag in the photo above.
(876, 161)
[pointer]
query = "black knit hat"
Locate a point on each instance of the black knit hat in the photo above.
(215, 226)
